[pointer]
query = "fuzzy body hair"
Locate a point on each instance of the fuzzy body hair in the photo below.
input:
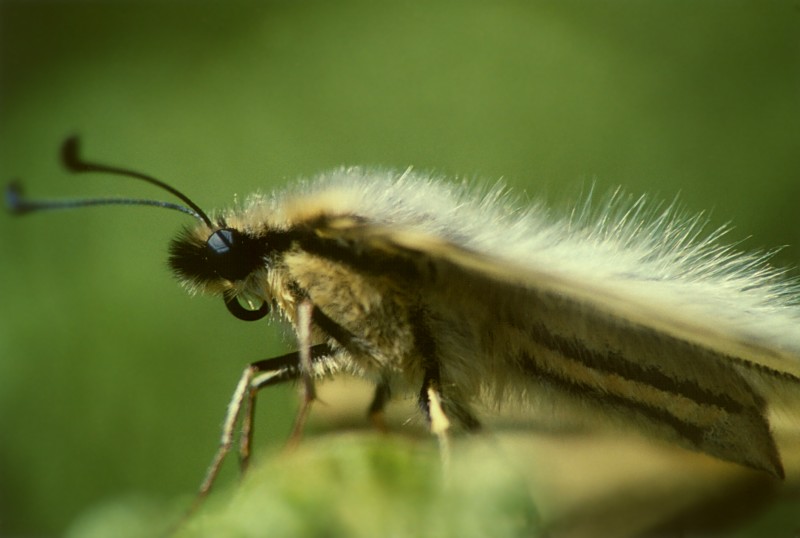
(626, 311)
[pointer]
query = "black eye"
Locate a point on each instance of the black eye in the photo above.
(232, 255)
(240, 311)
(226, 253)
(221, 241)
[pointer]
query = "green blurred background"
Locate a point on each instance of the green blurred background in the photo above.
(113, 382)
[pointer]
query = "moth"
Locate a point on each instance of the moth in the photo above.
(459, 297)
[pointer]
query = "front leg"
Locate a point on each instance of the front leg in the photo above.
(256, 376)
(308, 391)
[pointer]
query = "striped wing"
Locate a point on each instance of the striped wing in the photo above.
(509, 327)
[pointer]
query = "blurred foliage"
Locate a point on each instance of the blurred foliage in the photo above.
(362, 486)
(113, 383)
(357, 484)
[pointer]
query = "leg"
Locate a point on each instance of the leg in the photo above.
(268, 376)
(308, 392)
(430, 395)
(430, 400)
(431, 403)
(255, 377)
(383, 392)
(246, 432)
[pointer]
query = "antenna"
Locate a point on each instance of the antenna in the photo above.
(70, 157)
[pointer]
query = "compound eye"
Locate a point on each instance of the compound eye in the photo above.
(231, 255)
(245, 313)
(221, 242)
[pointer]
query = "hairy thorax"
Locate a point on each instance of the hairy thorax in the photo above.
(377, 313)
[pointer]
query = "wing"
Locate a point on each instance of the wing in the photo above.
(625, 351)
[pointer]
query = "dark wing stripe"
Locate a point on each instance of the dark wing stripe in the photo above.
(354, 255)
(690, 432)
(696, 423)
(614, 363)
